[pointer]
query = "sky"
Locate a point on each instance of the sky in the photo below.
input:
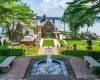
(48, 7)
(56, 8)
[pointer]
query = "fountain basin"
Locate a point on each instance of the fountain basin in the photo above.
(57, 67)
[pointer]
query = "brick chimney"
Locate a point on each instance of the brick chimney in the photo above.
(54, 22)
(44, 17)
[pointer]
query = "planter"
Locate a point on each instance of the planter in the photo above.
(88, 48)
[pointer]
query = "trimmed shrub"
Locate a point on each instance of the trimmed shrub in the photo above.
(11, 52)
(0, 43)
(96, 70)
(82, 53)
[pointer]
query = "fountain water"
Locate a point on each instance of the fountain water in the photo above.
(49, 60)
(49, 66)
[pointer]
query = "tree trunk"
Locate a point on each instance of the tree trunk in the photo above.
(75, 33)
(64, 27)
(87, 30)
(9, 33)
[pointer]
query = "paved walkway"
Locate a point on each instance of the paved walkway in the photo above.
(18, 69)
(80, 69)
(42, 50)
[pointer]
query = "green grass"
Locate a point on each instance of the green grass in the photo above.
(2, 58)
(96, 42)
(79, 42)
(61, 42)
(32, 51)
(76, 42)
(29, 51)
(48, 43)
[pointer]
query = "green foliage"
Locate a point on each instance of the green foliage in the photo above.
(2, 58)
(96, 70)
(48, 43)
(79, 14)
(61, 42)
(81, 53)
(12, 10)
(5, 44)
(0, 43)
(8, 41)
(11, 52)
(78, 42)
(89, 42)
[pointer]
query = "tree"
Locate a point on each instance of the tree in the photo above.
(14, 10)
(79, 14)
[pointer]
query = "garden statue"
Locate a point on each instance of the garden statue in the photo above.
(89, 42)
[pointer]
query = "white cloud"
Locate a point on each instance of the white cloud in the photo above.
(52, 4)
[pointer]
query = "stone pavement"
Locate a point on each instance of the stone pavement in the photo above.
(42, 50)
(17, 70)
(80, 69)
(50, 77)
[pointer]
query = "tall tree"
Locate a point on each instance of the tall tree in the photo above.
(12, 10)
(79, 13)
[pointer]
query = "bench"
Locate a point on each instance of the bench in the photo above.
(6, 64)
(93, 63)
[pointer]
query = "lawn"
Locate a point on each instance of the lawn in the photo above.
(96, 42)
(2, 58)
(48, 43)
(78, 42)
(29, 50)
(81, 44)
(61, 42)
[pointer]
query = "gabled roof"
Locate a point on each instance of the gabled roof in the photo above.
(44, 22)
(27, 38)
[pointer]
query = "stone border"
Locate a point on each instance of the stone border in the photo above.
(35, 66)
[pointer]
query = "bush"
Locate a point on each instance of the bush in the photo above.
(96, 70)
(11, 52)
(0, 43)
(81, 53)
(8, 41)
(2, 58)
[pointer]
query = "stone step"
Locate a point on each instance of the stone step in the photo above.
(50, 77)
(42, 50)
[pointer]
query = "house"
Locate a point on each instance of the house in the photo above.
(29, 40)
(47, 29)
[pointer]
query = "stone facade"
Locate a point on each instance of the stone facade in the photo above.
(47, 30)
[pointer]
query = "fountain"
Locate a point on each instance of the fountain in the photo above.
(49, 66)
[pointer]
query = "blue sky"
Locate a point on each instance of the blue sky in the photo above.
(55, 8)
(48, 7)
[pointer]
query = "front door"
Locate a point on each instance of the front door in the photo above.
(48, 32)
(48, 35)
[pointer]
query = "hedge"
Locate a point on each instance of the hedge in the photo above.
(81, 53)
(11, 52)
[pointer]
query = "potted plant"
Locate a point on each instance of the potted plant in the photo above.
(89, 42)
(74, 47)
